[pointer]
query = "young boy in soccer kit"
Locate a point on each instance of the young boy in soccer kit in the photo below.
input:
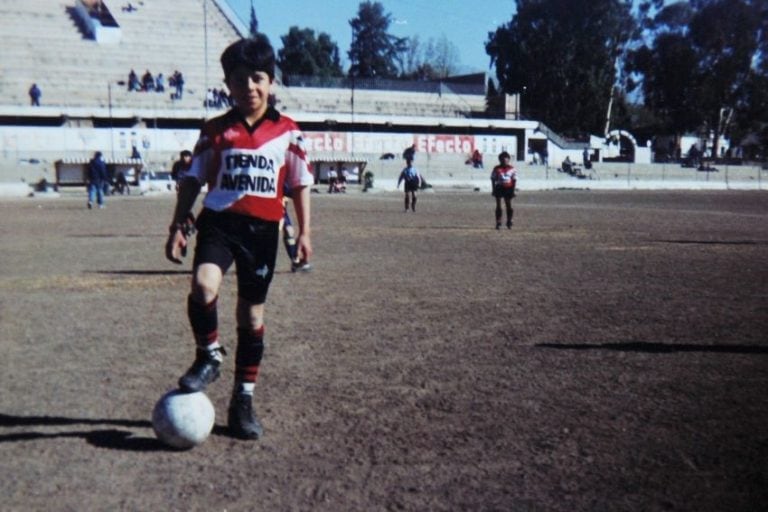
(246, 157)
(412, 180)
(504, 182)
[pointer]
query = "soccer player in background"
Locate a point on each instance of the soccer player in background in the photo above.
(412, 180)
(289, 239)
(504, 182)
(245, 156)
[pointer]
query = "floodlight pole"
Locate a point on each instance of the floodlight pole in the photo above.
(352, 71)
(111, 124)
(205, 45)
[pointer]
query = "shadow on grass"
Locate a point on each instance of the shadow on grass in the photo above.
(714, 242)
(112, 438)
(140, 272)
(103, 438)
(658, 348)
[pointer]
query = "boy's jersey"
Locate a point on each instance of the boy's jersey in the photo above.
(504, 176)
(410, 175)
(247, 168)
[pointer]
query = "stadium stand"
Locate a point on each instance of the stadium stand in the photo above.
(45, 44)
(86, 105)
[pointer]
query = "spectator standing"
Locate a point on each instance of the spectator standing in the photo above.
(34, 95)
(98, 179)
(178, 82)
(409, 154)
(181, 166)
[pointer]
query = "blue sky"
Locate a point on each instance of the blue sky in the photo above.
(465, 23)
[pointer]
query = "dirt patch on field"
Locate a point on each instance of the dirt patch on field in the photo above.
(607, 353)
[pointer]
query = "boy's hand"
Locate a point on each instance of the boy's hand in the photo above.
(304, 245)
(176, 245)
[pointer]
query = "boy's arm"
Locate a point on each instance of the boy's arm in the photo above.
(301, 205)
(175, 246)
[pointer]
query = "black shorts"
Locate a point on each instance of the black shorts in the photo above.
(503, 193)
(224, 238)
(411, 187)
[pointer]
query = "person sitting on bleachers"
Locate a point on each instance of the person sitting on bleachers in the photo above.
(148, 82)
(133, 82)
(567, 165)
(224, 100)
(160, 83)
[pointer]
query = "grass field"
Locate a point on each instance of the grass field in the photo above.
(607, 353)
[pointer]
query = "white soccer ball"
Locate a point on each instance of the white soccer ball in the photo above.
(183, 420)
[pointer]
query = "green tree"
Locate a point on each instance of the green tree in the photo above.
(697, 69)
(431, 61)
(724, 34)
(304, 54)
(563, 54)
(373, 51)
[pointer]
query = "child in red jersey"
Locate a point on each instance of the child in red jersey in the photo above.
(504, 181)
(246, 157)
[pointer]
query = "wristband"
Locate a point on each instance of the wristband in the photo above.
(176, 226)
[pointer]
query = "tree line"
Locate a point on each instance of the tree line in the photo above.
(582, 66)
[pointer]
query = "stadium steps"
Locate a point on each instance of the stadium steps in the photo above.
(44, 45)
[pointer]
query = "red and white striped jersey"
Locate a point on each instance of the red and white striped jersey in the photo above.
(504, 176)
(246, 167)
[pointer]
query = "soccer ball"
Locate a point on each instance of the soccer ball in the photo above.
(183, 420)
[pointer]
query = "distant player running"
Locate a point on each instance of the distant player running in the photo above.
(504, 182)
(412, 180)
(245, 157)
(289, 239)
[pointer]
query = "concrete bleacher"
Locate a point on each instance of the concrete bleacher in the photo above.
(80, 81)
(366, 101)
(44, 44)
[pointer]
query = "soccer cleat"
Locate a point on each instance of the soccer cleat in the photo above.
(301, 266)
(498, 225)
(509, 224)
(203, 371)
(241, 419)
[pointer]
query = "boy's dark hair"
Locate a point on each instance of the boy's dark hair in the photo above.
(256, 53)
(185, 152)
(503, 155)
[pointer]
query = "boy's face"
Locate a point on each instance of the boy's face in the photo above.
(249, 90)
